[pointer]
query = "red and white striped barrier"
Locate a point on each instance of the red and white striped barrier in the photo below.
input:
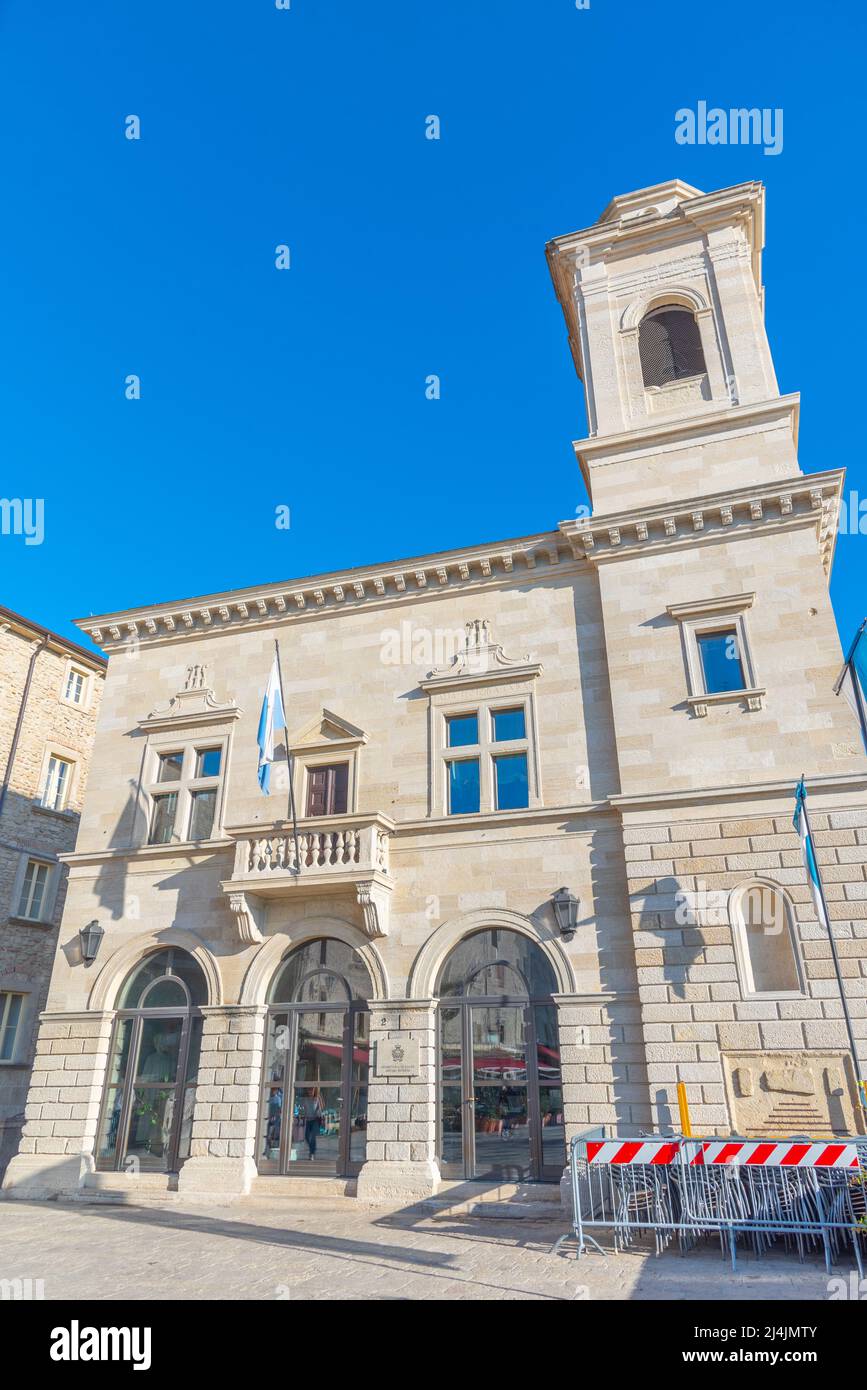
(753, 1153)
(758, 1154)
(632, 1151)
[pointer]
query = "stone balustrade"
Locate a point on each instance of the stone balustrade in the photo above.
(333, 854)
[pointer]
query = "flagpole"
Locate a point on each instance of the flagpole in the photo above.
(289, 763)
(834, 956)
(856, 684)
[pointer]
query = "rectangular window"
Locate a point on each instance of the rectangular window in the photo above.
(163, 818)
(720, 661)
(462, 730)
(204, 804)
(184, 787)
(492, 772)
(56, 783)
(509, 724)
(10, 1013)
(463, 786)
(74, 692)
(208, 762)
(327, 790)
(511, 785)
(33, 890)
(170, 767)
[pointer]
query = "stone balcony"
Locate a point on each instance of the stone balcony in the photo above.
(335, 854)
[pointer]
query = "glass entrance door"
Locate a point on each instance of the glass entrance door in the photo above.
(318, 1059)
(148, 1107)
(317, 1095)
(501, 1099)
(501, 1120)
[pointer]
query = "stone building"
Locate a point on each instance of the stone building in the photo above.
(545, 865)
(50, 690)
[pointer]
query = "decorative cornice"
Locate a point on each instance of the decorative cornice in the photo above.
(646, 435)
(346, 735)
(481, 661)
(400, 581)
(711, 607)
(807, 500)
(196, 703)
(818, 785)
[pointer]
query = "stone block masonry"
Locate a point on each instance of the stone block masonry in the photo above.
(696, 1003)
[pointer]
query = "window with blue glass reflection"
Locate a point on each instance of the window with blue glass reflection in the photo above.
(508, 724)
(720, 661)
(463, 786)
(510, 775)
(463, 729)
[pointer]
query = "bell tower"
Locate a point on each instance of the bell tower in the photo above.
(664, 308)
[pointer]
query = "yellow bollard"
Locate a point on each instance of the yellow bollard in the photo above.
(685, 1125)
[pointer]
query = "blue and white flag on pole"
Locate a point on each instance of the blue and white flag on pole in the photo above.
(802, 825)
(271, 719)
(852, 681)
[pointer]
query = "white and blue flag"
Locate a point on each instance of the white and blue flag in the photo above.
(852, 681)
(271, 719)
(802, 825)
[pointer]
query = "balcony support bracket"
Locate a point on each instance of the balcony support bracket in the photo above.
(249, 913)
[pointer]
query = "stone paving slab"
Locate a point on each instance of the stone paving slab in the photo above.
(300, 1251)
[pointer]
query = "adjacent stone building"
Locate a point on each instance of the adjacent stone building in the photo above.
(545, 866)
(50, 690)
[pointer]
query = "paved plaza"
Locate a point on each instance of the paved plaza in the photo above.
(343, 1250)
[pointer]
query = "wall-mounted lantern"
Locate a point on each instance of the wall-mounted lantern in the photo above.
(566, 906)
(90, 938)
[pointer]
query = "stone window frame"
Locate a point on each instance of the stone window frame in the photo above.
(483, 701)
(184, 742)
(49, 896)
(309, 752)
(7, 993)
(710, 615)
(742, 955)
(678, 295)
(86, 690)
(63, 754)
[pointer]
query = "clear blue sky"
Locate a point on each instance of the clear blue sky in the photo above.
(409, 257)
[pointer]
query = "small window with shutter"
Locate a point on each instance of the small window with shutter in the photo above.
(669, 345)
(327, 789)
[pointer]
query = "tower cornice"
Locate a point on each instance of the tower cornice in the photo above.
(807, 500)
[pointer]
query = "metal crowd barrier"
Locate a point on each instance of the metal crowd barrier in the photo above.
(807, 1193)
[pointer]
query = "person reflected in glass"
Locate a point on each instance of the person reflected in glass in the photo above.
(275, 1113)
(311, 1111)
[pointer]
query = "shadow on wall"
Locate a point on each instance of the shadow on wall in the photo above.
(10, 1138)
(618, 974)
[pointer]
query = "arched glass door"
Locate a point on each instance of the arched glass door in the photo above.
(313, 1114)
(500, 1095)
(149, 1095)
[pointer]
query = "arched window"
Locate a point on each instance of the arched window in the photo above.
(324, 971)
(669, 344)
(313, 1116)
(765, 941)
(149, 1097)
(500, 1088)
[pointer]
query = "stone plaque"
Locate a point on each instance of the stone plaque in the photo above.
(397, 1055)
(772, 1095)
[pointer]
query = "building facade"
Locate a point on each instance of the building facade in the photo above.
(545, 866)
(50, 691)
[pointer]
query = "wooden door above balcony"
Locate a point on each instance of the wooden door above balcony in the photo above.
(335, 854)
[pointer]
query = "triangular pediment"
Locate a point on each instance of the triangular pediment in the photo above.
(326, 729)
